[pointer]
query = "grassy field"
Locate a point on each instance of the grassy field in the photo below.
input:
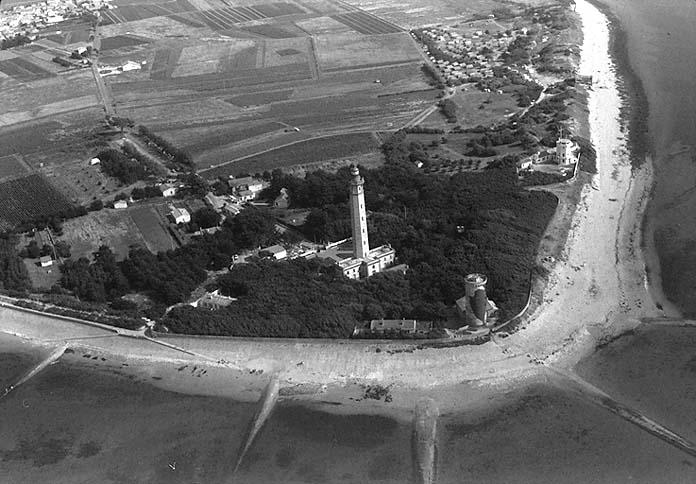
(260, 98)
(152, 228)
(199, 140)
(114, 228)
(310, 151)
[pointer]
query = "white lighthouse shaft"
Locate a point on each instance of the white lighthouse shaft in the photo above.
(358, 215)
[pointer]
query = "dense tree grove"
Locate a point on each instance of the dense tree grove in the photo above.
(443, 228)
(125, 169)
(13, 272)
(165, 146)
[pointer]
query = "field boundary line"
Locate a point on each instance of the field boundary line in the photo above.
(283, 146)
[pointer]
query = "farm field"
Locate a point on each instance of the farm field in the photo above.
(366, 23)
(11, 165)
(350, 50)
(225, 80)
(114, 228)
(22, 70)
(152, 228)
(303, 152)
(28, 198)
(225, 153)
(199, 140)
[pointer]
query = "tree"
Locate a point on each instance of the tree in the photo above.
(13, 273)
(205, 218)
(62, 249)
(253, 228)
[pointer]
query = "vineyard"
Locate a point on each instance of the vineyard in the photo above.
(27, 199)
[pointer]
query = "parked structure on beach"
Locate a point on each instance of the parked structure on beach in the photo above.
(365, 261)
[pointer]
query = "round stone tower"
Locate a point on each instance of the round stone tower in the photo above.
(476, 299)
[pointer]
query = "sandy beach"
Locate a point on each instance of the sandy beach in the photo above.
(596, 290)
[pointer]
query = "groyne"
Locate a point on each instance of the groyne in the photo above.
(267, 403)
(53, 357)
(424, 441)
(585, 389)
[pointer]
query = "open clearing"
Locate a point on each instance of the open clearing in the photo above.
(303, 152)
(114, 228)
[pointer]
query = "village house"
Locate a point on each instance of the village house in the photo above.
(179, 215)
(46, 261)
(276, 252)
(120, 204)
(213, 301)
(167, 190)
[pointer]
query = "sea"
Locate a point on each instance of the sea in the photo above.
(660, 40)
(73, 424)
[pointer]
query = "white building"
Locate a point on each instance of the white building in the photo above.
(130, 66)
(277, 252)
(180, 215)
(167, 190)
(365, 261)
(120, 204)
(94, 161)
(566, 151)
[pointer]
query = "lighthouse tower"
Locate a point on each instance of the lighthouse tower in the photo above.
(358, 215)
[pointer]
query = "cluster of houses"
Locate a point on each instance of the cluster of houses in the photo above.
(242, 190)
(466, 59)
(28, 19)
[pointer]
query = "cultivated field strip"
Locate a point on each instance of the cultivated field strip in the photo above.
(29, 198)
(366, 23)
(22, 70)
(216, 18)
(130, 13)
(228, 80)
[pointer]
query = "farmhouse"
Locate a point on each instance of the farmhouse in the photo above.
(46, 261)
(167, 190)
(120, 204)
(246, 187)
(179, 215)
(276, 252)
(213, 301)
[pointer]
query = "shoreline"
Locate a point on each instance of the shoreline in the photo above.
(606, 229)
(642, 149)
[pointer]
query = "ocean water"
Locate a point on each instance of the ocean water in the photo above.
(544, 435)
(660, 41)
